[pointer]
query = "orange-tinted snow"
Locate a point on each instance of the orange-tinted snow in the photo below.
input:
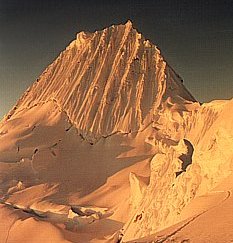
(109, 144)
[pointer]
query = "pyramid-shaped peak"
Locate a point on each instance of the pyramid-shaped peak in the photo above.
(108, 81)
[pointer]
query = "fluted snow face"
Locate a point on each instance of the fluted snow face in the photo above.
(108, 81)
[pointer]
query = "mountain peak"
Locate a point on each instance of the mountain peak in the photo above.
(109, 81)
(129, 23)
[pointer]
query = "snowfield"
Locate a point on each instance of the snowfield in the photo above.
(109, 146)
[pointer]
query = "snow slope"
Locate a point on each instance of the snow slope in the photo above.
(109, 145)
(208, 218)
(185, 171)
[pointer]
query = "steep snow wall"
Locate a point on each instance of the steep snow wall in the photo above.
(184, 168)
(106, 82)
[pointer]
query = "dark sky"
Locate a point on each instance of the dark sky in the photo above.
(196, 38)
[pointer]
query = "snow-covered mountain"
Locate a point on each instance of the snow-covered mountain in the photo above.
(109, 145)
(107, 82)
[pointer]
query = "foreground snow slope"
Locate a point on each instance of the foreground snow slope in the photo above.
(181, 173)
(108, 144)
(208, 218)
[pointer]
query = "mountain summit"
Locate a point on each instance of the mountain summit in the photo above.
(106, 82)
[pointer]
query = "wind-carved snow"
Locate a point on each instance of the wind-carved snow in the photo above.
(108, 81)
(185, 171)
(108, 141)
